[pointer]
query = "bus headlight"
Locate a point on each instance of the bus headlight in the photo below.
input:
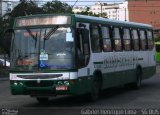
(20, 83)
(66, 82)
(60, 83)
(15, 83)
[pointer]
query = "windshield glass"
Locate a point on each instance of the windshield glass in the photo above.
(43, 48)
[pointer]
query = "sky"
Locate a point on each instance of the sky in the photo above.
(81, 2)
(90, 2)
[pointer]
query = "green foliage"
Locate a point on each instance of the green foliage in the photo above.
(23, 9)
(3, 26)
(56, 7)
(157, 38)
(26, 7)
(89, 13)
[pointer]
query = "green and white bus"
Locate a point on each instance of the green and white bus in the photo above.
(75, 54)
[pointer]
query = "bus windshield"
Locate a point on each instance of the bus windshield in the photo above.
(43, 48)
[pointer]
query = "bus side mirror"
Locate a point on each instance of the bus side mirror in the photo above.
(5, 42)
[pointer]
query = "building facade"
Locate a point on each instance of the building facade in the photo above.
(79, 9)
(118, 11)
(145, 11)
(5, 6)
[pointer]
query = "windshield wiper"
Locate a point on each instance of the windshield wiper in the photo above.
(46, 37)
(34, 37)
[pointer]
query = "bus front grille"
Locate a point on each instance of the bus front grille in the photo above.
(39, 84)
(40, 76)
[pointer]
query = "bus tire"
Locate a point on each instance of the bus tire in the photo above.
(138, 83)
(95, 90)
(42, 99)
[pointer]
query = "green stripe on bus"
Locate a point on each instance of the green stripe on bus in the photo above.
(98, 62)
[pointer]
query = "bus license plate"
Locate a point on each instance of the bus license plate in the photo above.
(58, 88)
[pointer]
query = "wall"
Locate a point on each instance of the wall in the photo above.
(145, 11)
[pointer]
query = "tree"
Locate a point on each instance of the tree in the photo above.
(87, 12)
(56, 7)
(90, 13)
(22, 9)
(157, 38)
(4, 24)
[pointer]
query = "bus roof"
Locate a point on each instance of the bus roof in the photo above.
(92, 19)
(110, 21)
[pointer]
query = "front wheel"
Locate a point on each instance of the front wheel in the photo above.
(95, 91)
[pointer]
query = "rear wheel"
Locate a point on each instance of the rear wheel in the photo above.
(138, 83)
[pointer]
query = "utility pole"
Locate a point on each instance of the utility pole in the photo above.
(0, 8)
(101, 9)
(125, 15)
(116, 14)
(101, 5)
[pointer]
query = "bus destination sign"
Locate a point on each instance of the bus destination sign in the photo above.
(44, 20)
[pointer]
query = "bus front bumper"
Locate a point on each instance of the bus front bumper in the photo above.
(49, 87)
(41, 88)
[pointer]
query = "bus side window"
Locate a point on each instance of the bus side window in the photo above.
(117, 39)
(83, 48)
(107, 46)
(150, 40)
(126, 40)
(143, 40)
(95, 38)
(135, 40)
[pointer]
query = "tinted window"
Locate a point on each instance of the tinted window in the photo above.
(126, 39)
(143, 40)
(117, 39)
(106, 39)
(135, 40)
(150, 40)
(95, 38)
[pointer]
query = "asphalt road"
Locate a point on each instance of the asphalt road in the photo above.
(120, 101)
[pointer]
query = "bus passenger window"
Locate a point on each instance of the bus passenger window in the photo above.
(106, 39)
(117, 39)
(126, 40)
(135, 40)
(143, 40)
(95, 39)
(150, 40)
